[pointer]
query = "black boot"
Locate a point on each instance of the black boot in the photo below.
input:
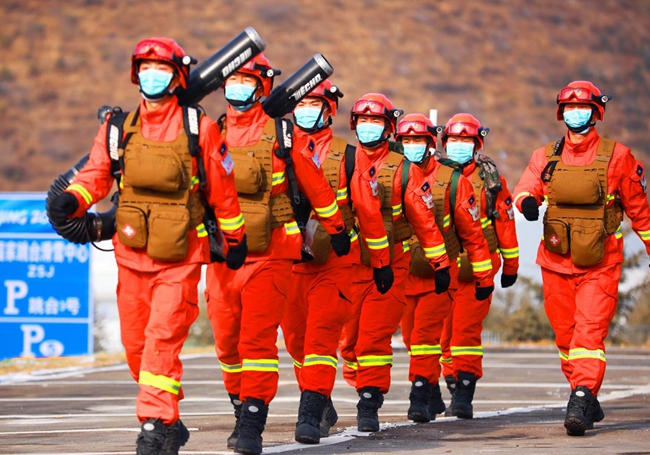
(310, 414)
(329, 419)
(579, 413)
(370, 400)
(151, 438)
(251, 425)
(175, 437)
(436, 404)
(596, 413)
(236, 403)
(419, 398)
(462, 406)
(451, 386)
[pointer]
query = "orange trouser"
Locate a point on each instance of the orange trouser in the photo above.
(366, 339)
(245, 307)
(317, 308)
(156, 310)
(580, 308)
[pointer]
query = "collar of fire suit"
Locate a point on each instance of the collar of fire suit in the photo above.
(244, 128)
(586, 145)
(469, 168)
(163, 124)
(321, 139)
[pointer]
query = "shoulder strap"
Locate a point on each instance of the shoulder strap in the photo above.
(553, 159)
(406, 168)
(284, 135)
(115, 140)
(453, 187)
(350, 157)
(191, 121)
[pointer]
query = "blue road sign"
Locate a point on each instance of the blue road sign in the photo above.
(45, 295)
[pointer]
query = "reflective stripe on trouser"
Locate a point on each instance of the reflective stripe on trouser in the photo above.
(366, 338)
(425, 314)
(245, 307)
(153, 339)
(312, 325)
(580, 309)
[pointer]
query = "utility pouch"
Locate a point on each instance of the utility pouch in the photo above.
(365, 254)
(587, 242)
(321, 246)
(556, 236)
(156, 169)
(258, 226)
(420, 265)
(465, 271)
(575, 188)
(131, 221)
(248, 174)
(168, 226)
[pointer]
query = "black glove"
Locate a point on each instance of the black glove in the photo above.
(62, 206)
(383, 277)
(341, 243)
(237, 254)
(530, 209)
(508, 280)
(483, 293)
(443, 279)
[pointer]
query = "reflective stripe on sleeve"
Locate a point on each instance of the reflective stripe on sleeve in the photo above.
(277, 178)
(291, 228)
(435, 251)
(482, 266)
(397, 210)
(82, 191)
(377, 244)
(510, 253)
(231, 224)
(326, 212)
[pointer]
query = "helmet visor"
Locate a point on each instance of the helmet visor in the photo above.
(578, 94)
(153, 49)
(413, 128)
(462, 129)
(369, 107)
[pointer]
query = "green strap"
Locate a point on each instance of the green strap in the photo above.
(405, 179)
(455, 176)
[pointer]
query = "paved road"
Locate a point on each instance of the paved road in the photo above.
(518, 407)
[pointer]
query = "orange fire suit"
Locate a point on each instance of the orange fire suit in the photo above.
(246, 306)
(319, 294)
(153, 339)
(422, 322)
(463, 346)
(580, 302)
(366, 342)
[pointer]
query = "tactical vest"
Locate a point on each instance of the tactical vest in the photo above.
(253, 168)
(157, 207)
(321, 246)
(578, 217)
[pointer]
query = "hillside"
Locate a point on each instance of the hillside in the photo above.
(503, 61)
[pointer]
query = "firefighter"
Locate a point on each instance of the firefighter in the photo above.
(463, 137)
(454, 206)
(588, 182)
(161, 241)
(246, 306)
(378, 307)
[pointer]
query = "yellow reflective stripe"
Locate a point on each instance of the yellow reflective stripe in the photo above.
(466, 350)
(485, 222)
(352, 365)
(582, 353)
(619, 233)
(458, 261)
(446, 360)
(610, 197)
(426, 349)
(341, 194)
(520, 195)
(564, 356)
(510, 253)
(353, 235)
(326, 212)
(435, 251)
(277, 178)
(482, 266)
(446, 221)
(230, 224)
(546, 198)
(82, 191)
(645, 235)
(291, 228)
(405, 246)
(159, 382)
(315, 359)
(397, 209)
(230, 368)
(194, 181)
(201, 231)
(297, 364)
(377, 244)
(375, 360)
(260, 365)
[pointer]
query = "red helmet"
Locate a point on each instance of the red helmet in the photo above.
(582, 92)
(465, 125)
(416, 125)
(377, 105)
(260, 67)
(164, 50)
(329, 92)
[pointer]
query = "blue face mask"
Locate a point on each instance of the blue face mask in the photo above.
(460, 152)
(577, 118)
(369, 132)
(239, 93)
(154, 83)
(306, 117)
(415, 152)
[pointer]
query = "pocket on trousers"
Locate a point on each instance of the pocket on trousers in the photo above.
(168, 226)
